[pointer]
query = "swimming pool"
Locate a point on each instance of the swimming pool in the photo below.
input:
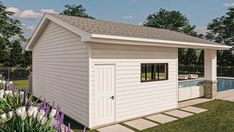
(225, 83)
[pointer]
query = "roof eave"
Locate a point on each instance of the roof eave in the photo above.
(99, 38)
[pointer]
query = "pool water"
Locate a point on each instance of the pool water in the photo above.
(225, 84)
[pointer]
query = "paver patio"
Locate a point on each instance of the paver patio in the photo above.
(193, 109)
(115, 128)
(161, 118)
(140, 124)
(178, 113)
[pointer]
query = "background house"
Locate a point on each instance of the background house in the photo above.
(102, 72)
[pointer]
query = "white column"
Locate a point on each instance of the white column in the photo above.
(210, 65)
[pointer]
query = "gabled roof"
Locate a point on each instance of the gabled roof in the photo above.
(94, 30)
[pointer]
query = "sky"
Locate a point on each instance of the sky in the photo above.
(199, 12)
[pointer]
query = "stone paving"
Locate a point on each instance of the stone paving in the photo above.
(161, 118)
(194, 109)
(227, 95)
(115, 128)
(178, 113)
(153, 120)
(140, 124)
(193, 102)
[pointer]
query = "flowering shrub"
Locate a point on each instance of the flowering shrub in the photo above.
(20, 113)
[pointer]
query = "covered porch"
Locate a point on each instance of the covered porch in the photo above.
(207, 86)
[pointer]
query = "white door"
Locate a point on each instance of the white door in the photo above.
(104, 94)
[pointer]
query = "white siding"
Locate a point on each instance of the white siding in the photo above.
(60, 71)
(133, 98)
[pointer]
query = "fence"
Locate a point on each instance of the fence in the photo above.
(223, 71)
(14, 73)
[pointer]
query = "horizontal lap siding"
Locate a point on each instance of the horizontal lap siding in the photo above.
(133, 98)
(60, 71)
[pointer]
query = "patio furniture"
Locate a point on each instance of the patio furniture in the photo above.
(183, 77)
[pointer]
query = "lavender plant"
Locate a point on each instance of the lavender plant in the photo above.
(20, 113)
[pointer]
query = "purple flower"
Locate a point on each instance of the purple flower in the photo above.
(41, 106)
(53, 104)
(84, 130)
(62, 117)
(57, 112)
(13, 87)
(44, 104)
(47, 111)
(65, 128)
(25, 99)
(69, 128)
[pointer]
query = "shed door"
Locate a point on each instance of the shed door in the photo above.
(104, 94)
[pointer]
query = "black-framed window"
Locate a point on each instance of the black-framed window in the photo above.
(154, 72)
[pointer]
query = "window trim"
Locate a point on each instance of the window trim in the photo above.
(142, 81)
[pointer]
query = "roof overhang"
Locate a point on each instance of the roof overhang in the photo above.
(100, 38)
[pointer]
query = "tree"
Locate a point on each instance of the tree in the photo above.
(221, 30)
(172, 20)
(16, 54)
(4, 56)
(201, 58)
(11, 36)
(76, 10)
(27, 58)
(181, 56)
(191, 57)
(175, 21)
(9, 27)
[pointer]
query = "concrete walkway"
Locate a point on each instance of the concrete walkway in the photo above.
(153, 120)
(227, 95)
(193, 102)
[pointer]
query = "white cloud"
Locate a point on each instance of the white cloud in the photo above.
(201, 30)
(48, 10)
(12, 9)
(30, 28)
(229, 4)
(140, 23)
(29, 14)
(128, 17)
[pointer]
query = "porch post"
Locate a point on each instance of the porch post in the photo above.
(210, 82)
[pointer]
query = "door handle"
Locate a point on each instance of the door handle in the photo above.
(112, 97)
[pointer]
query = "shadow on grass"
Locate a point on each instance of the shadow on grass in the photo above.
(77, 127)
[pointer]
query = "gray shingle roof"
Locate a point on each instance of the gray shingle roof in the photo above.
(127, 30)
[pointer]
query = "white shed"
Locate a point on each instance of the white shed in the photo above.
(103, 72)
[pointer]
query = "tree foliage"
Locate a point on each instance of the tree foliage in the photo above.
(221, 30)
(191, 57)
(172, 20)
(175, 21)
(11, 40)
(201, 58)
(76, 10)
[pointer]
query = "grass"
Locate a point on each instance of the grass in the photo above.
(218, 118)
(21, 84)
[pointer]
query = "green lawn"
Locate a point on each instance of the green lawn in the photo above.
(219, 118)
(21, 83)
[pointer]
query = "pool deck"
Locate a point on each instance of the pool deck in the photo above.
(227, 95)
